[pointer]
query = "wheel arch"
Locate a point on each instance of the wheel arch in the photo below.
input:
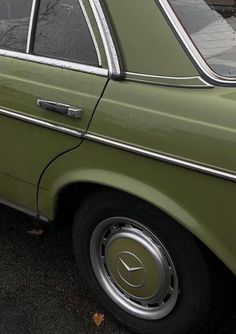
(79, 185)
(71, 194)
(177, 192)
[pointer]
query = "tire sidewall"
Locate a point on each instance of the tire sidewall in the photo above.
(193, 300)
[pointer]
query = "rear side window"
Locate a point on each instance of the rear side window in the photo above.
(62, 32)
(14, 23)
(211, 24)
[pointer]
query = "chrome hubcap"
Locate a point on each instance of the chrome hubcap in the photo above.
(134, 268)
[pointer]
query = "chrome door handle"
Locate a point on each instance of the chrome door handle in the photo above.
(64, 109)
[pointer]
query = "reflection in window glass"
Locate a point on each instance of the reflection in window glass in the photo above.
(14, 23)
(212, 26)
(62, 32)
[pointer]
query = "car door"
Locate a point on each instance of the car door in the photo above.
(51, 78)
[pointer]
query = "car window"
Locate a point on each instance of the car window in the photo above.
(211, 25)
(14, 23)
(62, 32)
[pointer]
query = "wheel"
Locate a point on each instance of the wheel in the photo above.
(146, 270)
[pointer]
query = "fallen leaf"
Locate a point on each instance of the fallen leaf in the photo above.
(36, 232)
(98, 319)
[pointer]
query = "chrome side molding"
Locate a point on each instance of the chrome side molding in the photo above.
(24, 210)
(184, 82)
(38, 122)
(163, 157)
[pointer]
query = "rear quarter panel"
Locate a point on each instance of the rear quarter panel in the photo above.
(193, 124)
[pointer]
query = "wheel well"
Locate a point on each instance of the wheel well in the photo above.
(70, 198)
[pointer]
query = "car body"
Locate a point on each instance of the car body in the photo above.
(139, 110)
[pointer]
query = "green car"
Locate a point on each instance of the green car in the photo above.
(120, 115)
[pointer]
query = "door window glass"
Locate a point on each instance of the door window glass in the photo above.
(14, 23)
(62, 32)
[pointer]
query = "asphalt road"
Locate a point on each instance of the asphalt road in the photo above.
(40, 288)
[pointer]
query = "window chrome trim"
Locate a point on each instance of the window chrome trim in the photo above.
(38, 122)
(223, 174)
(55, 62)
(195, 81)
(109, 45)
(33, 16)
(191, 48)
(91, 32)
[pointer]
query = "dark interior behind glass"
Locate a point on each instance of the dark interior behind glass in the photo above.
(62, 32)
(14, 22)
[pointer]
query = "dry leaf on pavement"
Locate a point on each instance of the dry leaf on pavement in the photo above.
(36, 232)
(98, 319)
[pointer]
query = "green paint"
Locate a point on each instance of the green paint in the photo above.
(28, 148)
(194, 124)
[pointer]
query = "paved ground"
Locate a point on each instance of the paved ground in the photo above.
(40, 289)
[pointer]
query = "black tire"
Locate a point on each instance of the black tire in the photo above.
(196, 286)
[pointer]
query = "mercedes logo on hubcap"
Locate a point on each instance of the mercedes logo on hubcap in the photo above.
(131, 269)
